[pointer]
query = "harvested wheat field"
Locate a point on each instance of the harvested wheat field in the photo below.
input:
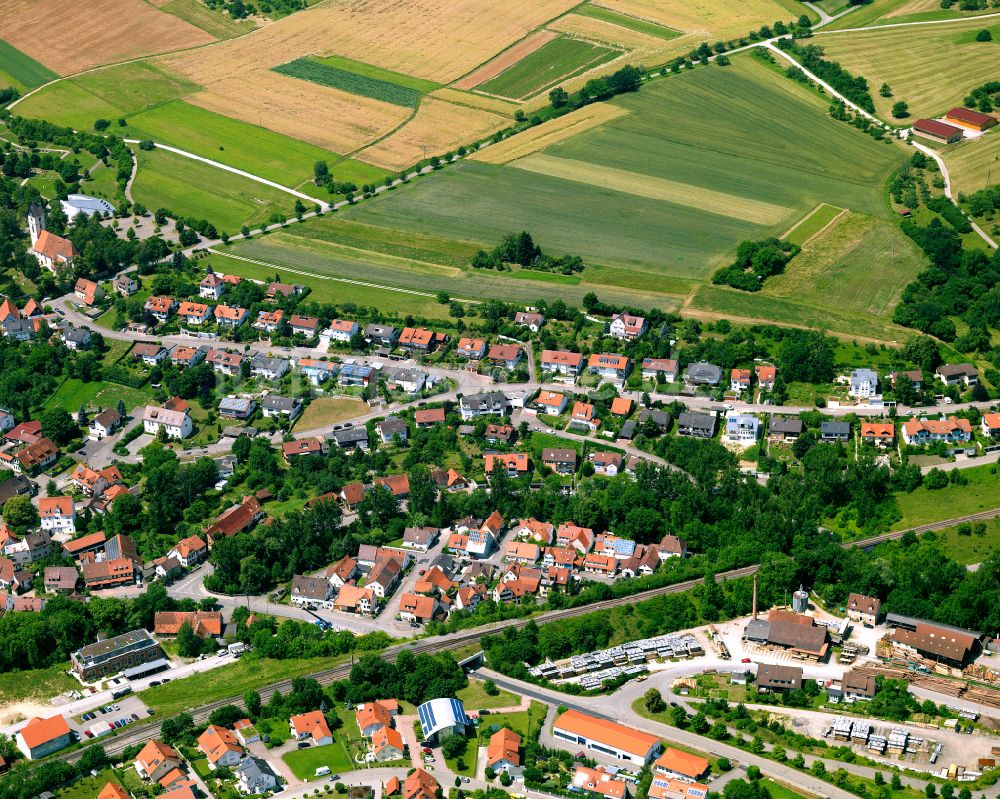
(551, 132)
(437, 127)
(653, 188)
(603, 32)
(96, 32)
(438, 40)
(475, 100)
(320, 115)
(506, 59)
(715, 19)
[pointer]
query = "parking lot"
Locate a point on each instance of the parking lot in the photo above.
(118, 712)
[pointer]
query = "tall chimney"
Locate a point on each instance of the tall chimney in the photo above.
(755, 595)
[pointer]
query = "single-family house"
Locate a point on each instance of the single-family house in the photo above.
(665, 369)
(194, 313)
(311, 592)
(277, 405)
(607, 464)
(529, 319)
(626, 326)
(340, 330)
(88, 292)
(698, 425)
(311, 726)
(514, 463)
(220, 746)
(562, 363)
(150, 353)
(766, 374)
(957, 374)
(381, 335)
(230, 315)
(104, 424)
(57, 515)
(391, 429)
(608, 366)
(741, 428)
(834, 431)
(471, 348)
(486, 403)
(269, 321)
(550, 402)
(176, 424)
(506, 355)
(879, 434)
(863, 383)
(125, 285)
(703, 374)
(739, 380)
(561, 461)
(428, 417)
(160, 308)
(307, 326)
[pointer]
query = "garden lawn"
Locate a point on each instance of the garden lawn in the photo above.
(87, 787)
(468, 758)
(330, 410)
(474, 697)
(304, 762)
(231, 680)
(73, 393)
(923, 505)
(524, 722)
(228, 201)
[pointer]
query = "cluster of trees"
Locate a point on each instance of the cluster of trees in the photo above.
(322, 177)
(38, 640)
(238, 9)
(255, 561)
(853, 88)
(755, 262)
(415, 678)
(959, 283)
(520, 249)
(984, 202)
(627, 79)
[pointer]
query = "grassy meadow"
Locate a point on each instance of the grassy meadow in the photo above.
(974, 163)
(626, 21)
(21, 71)
(930, 67)
(228, 201)
(325, 411)
(630, 203)
(821, 216)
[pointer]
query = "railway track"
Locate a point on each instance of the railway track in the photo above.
(143, 732)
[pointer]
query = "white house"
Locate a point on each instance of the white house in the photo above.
(864, 383)
(627, 326)
(340, 330)
(742, 428)
(177, 424)
(57, 514)
(255, 776)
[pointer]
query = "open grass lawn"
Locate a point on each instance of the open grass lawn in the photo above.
(41, 684)
(330, 410)
(930, 67)
(923, 505)
(632, 23)
(73, 393)
(21, 71)
(228, 201)
(334, 263)
(111, 94)
(103, 182)
(474, 697)
(304, 762)
(357, 78)
(975, 163)
(835, 268)
(217, 23)
(89, 786)
(778, 790)
(560, 59)
(821, 216)
(324, 287)
(115, 350)
(968, 549)
(631, 194)
(468, 758)
(524, 722)
(233, 679)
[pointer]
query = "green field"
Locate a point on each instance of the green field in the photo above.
(834, 270)
(217, 23)
(973, 164)
(967, 549)
(923, 505)
(228, 201)
(36, 684)
(930, 67)
(21, 71)
(111, 94)
(330, 263)
(325, 289)
(304, 762)
(233, 679)
(355, 77)
(558, 60)
(330, 410)
(821, 216)
(889, 12)
(773, 145)
(73, 393)
(474, 697)
(625, 21)
(147, 98)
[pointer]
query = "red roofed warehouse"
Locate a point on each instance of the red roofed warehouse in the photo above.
(606, 737)
(967, 118)
(937, 131)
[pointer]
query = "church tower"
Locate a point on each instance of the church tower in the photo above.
(36, 221)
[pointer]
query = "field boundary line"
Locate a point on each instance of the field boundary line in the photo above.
(804, 219)
(235, 171)
(910, 24)
(362, 283)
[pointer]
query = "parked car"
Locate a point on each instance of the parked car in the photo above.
(427, 750)
(746, 660)
(88, 733)
(302, 744)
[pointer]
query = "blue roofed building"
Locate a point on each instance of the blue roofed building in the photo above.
(440, 718)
